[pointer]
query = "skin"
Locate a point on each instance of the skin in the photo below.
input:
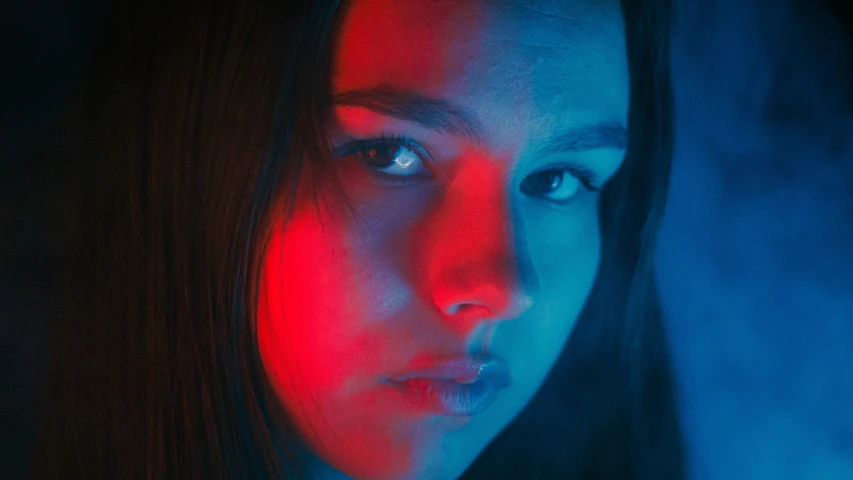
(458, 262)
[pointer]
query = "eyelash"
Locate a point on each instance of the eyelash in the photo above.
(584, 176)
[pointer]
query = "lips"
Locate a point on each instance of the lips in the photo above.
(458, 387)
(465, 370)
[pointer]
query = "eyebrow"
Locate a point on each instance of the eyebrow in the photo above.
(432, 113)
(440, 115)
(589, 137)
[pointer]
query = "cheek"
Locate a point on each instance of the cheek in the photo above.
(301, 294)
(569, 266)
(564, 249)
(328, 284)
(563, 253)
(312, 343)
(323, 343)
(307, 329)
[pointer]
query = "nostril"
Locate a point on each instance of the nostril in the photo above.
(468, 310)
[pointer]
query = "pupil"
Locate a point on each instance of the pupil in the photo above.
(380, 156)
(542, 182)
(556, 180)
(549, 180)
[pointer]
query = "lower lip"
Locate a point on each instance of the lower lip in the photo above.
(448, 397)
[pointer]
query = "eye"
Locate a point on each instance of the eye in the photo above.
(390, 157)
(559, 185)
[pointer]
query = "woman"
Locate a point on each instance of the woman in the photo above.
(352, 241)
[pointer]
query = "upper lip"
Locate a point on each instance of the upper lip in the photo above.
(463, 370)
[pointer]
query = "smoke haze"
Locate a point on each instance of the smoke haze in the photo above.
(755, 259)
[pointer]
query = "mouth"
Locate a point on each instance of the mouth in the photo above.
(459, 387)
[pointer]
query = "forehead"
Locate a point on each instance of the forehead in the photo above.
(546, 62)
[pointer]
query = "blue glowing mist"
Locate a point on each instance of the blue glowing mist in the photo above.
(755, 259)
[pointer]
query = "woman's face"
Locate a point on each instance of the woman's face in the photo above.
(470, 138)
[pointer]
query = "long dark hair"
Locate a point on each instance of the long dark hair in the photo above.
(189, 138)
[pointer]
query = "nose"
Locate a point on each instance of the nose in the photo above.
(470, 255)
(481, 290)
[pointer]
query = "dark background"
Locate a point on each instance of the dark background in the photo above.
(725, 53)
(45, 46)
